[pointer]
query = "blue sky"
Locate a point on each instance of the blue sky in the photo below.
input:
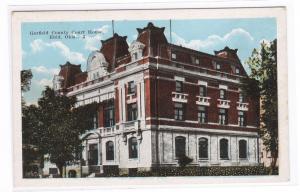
(44, 55)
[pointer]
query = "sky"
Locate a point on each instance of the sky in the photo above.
(44, 52)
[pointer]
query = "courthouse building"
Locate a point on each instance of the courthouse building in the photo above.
(159, 102)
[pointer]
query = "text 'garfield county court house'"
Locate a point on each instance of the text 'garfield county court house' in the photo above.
(158, 102)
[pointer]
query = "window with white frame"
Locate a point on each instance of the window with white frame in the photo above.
(222, 94)
(242, 149)
(202, 92)
(109, 114)
(180, 144)
(241, 118)
(131, 87)
(241, 97)
(178, 111)
(132, 111)
(179, 86)
(202, 114)
(222, 116)
(133, 148)
(109, 150)
(203, 148)
(224, 149)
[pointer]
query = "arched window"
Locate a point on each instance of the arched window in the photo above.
(132, 148)
(110, 150)
(179, 146)
(203, 148)
(224, 149)
(242, 149)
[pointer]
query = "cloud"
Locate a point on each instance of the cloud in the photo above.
(45, 82)
(213, 40)
(43, 70)
(38, 45)
(92, 43)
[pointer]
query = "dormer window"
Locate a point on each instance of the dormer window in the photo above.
(135, 56)
(136, 50)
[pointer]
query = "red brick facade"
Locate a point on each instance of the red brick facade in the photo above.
(166, 62)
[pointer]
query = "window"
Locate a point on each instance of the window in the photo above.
(131, 87)
(109, 150)
(224, 149)
(222, 116)
(195, 60)
(222, 94)
(241, 97)
(202, 114)
(132, 148)
(173, 55)
(241, 118)
(109, 114)
(202, 91)
(134, 56)
(203, 148)
(93, 154)
(242, 149)
(132, 111)
(95, 120)
(218, 66)
(179, 146)
(179, 86)
(237, 70)
(178, 111)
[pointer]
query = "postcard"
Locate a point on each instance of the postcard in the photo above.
(149, 97)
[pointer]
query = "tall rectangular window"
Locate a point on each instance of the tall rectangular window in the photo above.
(222, 116)
(179, 86)
(202, 91)
(241, 98)
(202, 114)
(241, 118)
(109, 114)
(222, 94)
(131, 87)
(178, 111)
(95, 120)
(132, 112)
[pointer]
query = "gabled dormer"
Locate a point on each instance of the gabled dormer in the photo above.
(96, 65)
(136, 50)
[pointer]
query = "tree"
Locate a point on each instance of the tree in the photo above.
(58, 134)
(60, 125)
(26, 76)
(262, 82)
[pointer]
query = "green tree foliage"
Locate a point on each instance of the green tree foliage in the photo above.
(26, 76)
(262, 82)
(54, 126)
